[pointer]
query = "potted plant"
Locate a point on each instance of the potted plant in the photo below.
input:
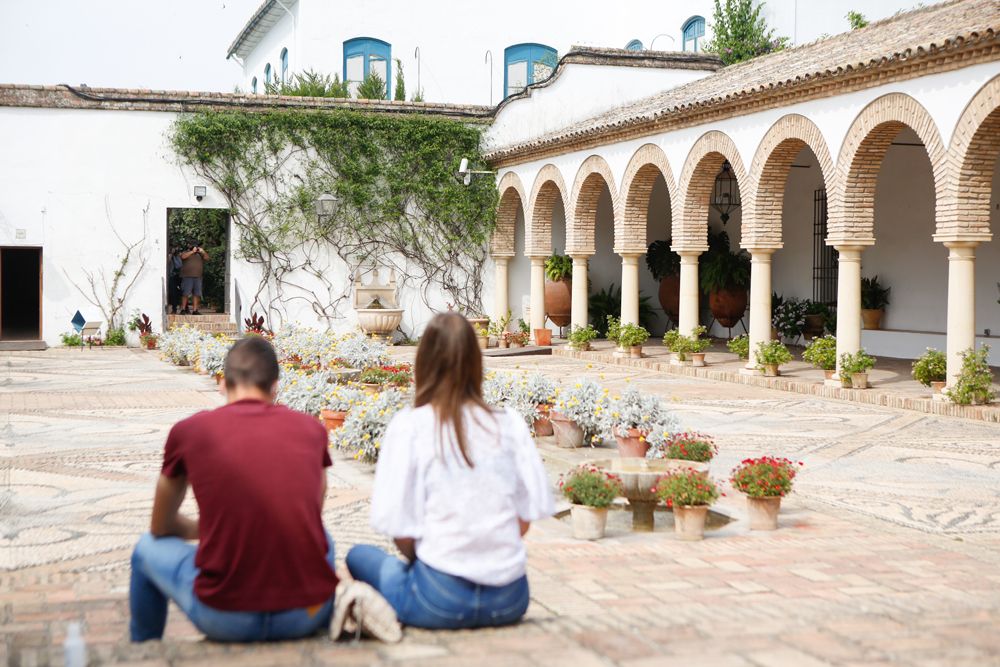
(855, 367)
(789, 318)
(670, 339)
(541, 392)
(740, 346)
(874, 299)
(580, 414)
(665, 265)
(631, 337)
(559, 288)
(974, 385)
(931, 369)
(684, 446)
(254, 325)
(822, 353)
(477, 319)
(725, 276)
(613, 329)
(696, 346)
(339, 402)
(498, 328)
(591, 492)
(765, 481)
(148, 340)
(815, 316)
(771, 355)
(633, 415)
(689, 494)
(580, 337)
(482, 335)
(367, 422)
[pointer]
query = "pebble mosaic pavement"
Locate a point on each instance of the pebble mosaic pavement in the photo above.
(887, 554)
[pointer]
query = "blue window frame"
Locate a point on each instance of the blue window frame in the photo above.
(267, 74)
(634, 45)
(524, 64)
(284, 65)
(692, 32)
(253, 85)
(364, 56)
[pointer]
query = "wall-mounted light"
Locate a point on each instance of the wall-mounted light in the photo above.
(465, 173)
(200, 191)
(726, 193)
(326, 206)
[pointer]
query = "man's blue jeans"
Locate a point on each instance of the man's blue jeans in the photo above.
(426, 598)
(163, 569)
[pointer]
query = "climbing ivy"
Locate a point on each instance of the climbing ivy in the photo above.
(400, 204)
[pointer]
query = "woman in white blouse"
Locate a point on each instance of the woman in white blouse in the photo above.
(456, 486)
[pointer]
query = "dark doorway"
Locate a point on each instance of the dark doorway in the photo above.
(209, 229)
(20, 293)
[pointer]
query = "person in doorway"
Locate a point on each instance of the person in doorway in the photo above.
(192, 272)
(174, 264)
(457, 486)
(264, 566)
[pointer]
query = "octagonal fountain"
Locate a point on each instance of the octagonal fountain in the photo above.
(639, 476)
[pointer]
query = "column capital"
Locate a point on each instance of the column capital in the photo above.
(763, 251)
(538, 258)
(585, 256)
(630, 257)
(690, 250)
(860, 243)
(502, 259)
(689, 254)
(962, 240)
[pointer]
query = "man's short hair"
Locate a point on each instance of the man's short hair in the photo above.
(251, 361)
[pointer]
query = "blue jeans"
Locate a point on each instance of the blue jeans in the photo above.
(163, 569)
(426, 598)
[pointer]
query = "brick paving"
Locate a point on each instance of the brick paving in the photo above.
(887, 552)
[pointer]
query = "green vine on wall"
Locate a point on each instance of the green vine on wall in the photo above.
(400, 203)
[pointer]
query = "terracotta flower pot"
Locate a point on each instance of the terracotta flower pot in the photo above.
(670, 296)
(580, 347)
(542, 424)
(771, 370)
(859, 380)
(829, 373)
(872, 319)
(479, 322)
(775, 334)
(697, 358)
(568, 433)
(631, 443)
(589, 523)
(763, 512)
(558, 300)
(728, 306)
(150, 343)
(635, 352)
(484, 342)
(502, 343)
(689, 522)
(333, 419)
(938, 387)
(543, 337)
(815, 325)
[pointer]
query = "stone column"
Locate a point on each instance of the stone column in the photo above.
(848, 302)
(579, 303)
(689, 292)
(537, 316)
(760, 301)
(630, 289)
(961, 303)
(501, 299)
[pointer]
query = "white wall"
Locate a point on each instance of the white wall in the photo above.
(282, 35)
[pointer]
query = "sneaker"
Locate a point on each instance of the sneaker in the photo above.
(196, 312)
(361, 608)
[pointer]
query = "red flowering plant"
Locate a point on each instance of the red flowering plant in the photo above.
(684, 489)
(589, 485)
(397, 375)
(764, 477)
(686, 446)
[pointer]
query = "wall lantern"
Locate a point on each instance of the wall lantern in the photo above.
(326, 206)
(726, 194)
(200, 191)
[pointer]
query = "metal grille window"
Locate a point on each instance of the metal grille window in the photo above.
(824, 256)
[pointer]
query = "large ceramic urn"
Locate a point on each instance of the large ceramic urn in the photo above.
(670, 296)
(728, 305)
(558, 301)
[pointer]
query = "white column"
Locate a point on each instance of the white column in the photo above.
(501, 299)
(537, 316)
(689, 292)
(579, 314)
(961, 303)
(630, 289)
(848, 302)
(760, 301)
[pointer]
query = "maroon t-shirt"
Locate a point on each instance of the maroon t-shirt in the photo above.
(257, 473)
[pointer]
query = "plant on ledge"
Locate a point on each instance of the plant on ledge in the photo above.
(932, 366)
(580, 337)
(771, 355)
(632, 335)
(686, 446)
(874, 295)
(741, 33)
(975, 381)
(684, 489)
(740, 346)
(822, 353)
(683, 346)
(558, 267)
(854, 368)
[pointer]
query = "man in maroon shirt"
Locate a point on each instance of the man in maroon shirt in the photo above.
(263, 568)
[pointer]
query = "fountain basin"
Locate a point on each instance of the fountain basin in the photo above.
(379, 321)
(638, 477)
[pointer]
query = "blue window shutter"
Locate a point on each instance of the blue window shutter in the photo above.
(267, 73)
(532, 55)
(253, 85)
(369, 49)
(634, 45)
(694, 28)
(284, 65)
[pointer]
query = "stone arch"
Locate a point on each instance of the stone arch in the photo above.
(852, 200)
(548, 188)
(512, 199)
(964, 210)
(703, 163)
(769, 176)
(647, 163)
(591, 178)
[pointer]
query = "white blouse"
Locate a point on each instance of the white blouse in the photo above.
(464, 520)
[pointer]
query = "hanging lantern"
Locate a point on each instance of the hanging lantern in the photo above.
(726, 194)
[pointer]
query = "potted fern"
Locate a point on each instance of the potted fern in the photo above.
(559, 288)
(931, 370)
(854, 368)
(874, 299)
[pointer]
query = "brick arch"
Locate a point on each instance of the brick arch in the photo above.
(852, 199)
(512, 199)
(769, 175)
(648, 163)
(964, 210)
(703, 163)
(549, 188)
(591, 178)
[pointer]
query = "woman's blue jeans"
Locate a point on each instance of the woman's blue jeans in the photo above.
(426, 598)
(163, 569)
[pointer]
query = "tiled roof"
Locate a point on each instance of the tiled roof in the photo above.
(921, 33)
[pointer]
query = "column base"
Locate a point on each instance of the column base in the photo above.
(834, 382)
(746, 370)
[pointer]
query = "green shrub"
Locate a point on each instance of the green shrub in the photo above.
(741, 33)
(740, 346)
(579, 336)
(71, 339)
(932, 366)
(874, 295)
(558, 267)
(613, 328)
(670, 339)
(975, 381)
(859, 362)
(822, 352)
(372, 88)
(632, 335)
(773, 352)
(115, 337)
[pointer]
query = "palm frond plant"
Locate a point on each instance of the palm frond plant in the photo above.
(609, 302)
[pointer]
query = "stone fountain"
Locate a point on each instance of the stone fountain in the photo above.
(376, 304)
(639, 476)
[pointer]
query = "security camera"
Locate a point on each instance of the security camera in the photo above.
(463, 171)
